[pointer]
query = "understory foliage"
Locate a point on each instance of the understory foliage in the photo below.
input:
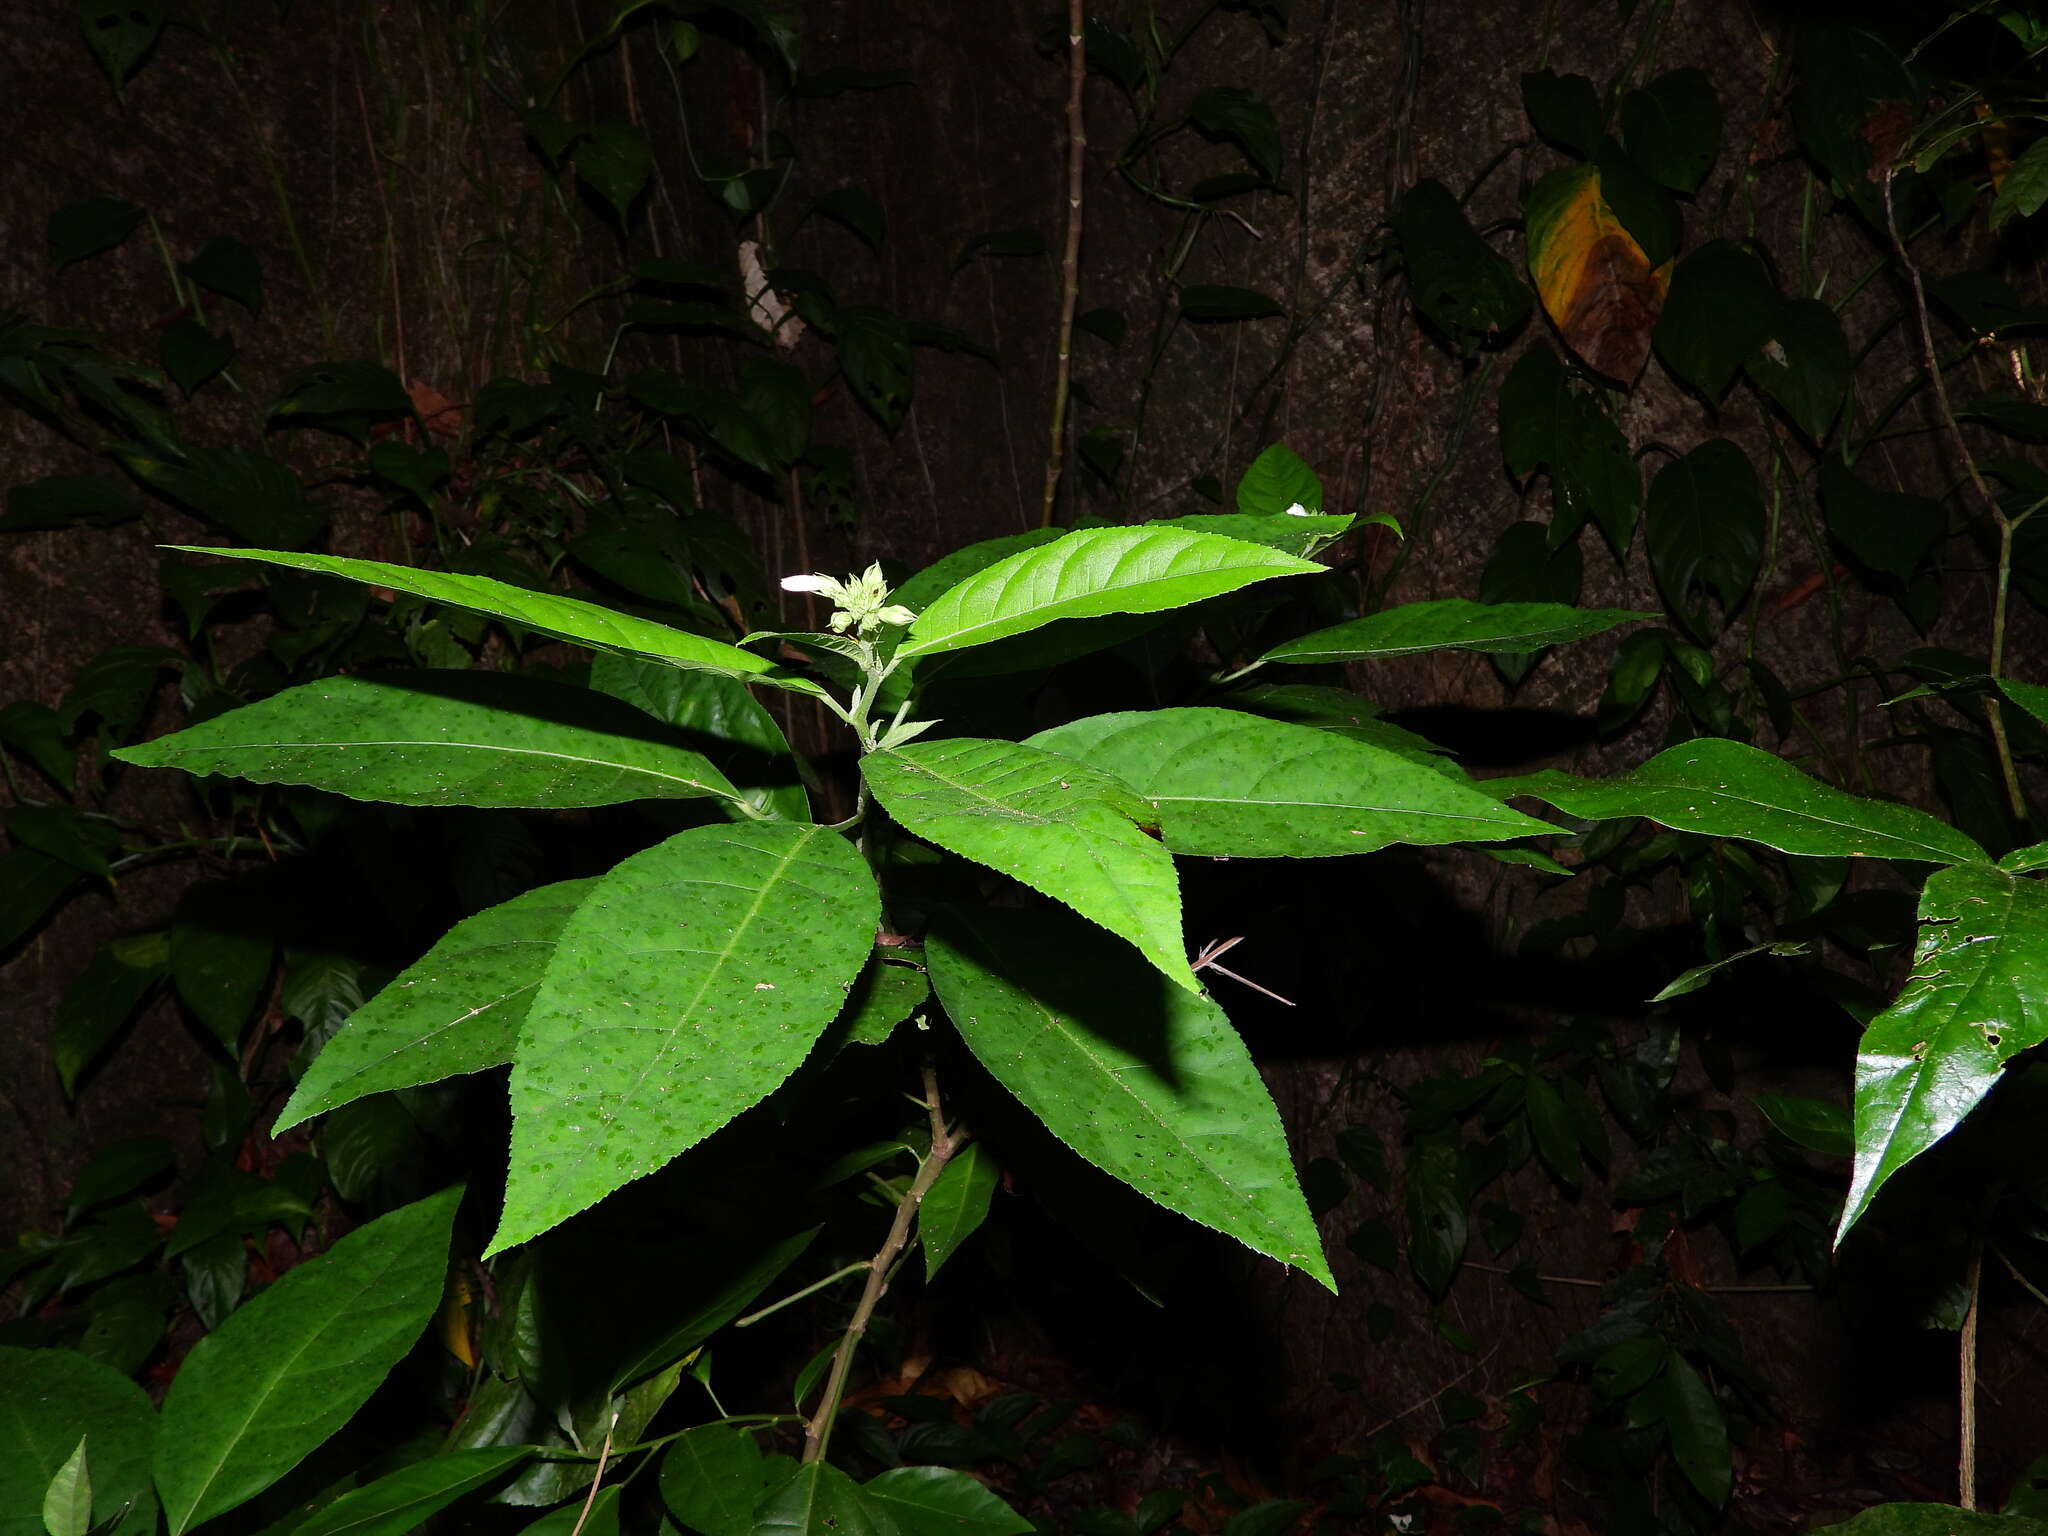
(572, 1028)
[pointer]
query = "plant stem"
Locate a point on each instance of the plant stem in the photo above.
(818, 1432)
(1070, 260)
(1994, 712)
(1966, 1388)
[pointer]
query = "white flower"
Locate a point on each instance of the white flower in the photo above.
(823, 586)
(1298, 510)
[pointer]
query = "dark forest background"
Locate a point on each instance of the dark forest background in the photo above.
(383, 165)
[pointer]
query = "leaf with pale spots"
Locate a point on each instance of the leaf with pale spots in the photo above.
(457, 1010)
(686, 987)
(1147, 1082)
(1977, 997)
(1074, 832)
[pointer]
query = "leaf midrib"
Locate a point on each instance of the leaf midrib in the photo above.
(169, 757)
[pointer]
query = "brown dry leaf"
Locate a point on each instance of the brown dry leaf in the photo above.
(1595, 282)
(438, 414)
(1886, 131)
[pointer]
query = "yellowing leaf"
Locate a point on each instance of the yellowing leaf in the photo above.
(1596, 284)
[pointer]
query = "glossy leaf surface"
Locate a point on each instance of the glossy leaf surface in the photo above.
(1977, 997)
(714, 1477)
(955, 1205)
(820, 1500)
(1147, 1082)
(457, 1009)
(49, 1400)
(1725, 789)
(444, 738)
(1452, 623)
(1073, 832)
(690, 981)
(1088, 574)
(287, 1369)
(403, 1500)
(566, 618)
(939, 1501)
(1225, 783)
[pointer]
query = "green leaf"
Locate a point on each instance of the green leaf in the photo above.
(96, 1004)
(81, 230)
(458, 1009)
(856, 210)
(67, 1504)
(886, 994)
(613, 160)
(1723, 788)
(1683, 1402)
(1704, 526)
(1301, 533)
(403, 1500)
(192, 354)
(68, 501)
(1890, 534)
(2023, 190)
(820, 1500)
(1277, 482)
(229, 268)
(1720, 312)
(1223, 112)
(956, 1205)
(1071, 831)
(1452, 624)
(1546, 423)
(289, 1368)
(713, 1297)
(685, 988)
(1001, 242)
(444, 738)
(31, 885)
(221, 949)
(874, 354)
(1977, 997)
(1436, 1198)
(1814, 1124)
(1804, 364)
(120, 1168)
(251, 495)
(1087, 574)
(1220, 302)
(565, 618)
(1672, 129)
(50, 1399)
(1565, 109)
(714, 1477)
(731, 726)
(939, 1501)
(83, 843)
(1228, 784)
(121, 34)
(1146, 1081)
(345, 396)
(416, 471)
(1461, 285)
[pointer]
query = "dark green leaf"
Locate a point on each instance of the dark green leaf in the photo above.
(120, 1168)
(347, 396)
(31, 885)
(1721, 788)
(221, 947)
(939, 1501)
(1436, 1197)
(68, 501)
(401, 1501)
(1933, 1520)
(268, 1386)
(1565, 109)
(1889, 533)
(121, 33)
(1704, 526)
(1146, 1081)
(192, 354)
(1546, 423)
(97, 1003)
(857, 211)
(1223, 112)
(80, 230)
(1460, 283)
(840, 78)
(49, 1400)
(1672, 129)
(820, 1500)
(250, 495)
(956, 1205)
(1105, 325)
(1804, 364)
(2013, 415)
(1452, 623)
(874, 354)
(116, 686)
(1685, 1404)
(714, 1477)
(2025, 187)
(230, 269)
(1002, 242)
(614, 161)
(1278, 482)
(416, 471)
(1721, 311)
